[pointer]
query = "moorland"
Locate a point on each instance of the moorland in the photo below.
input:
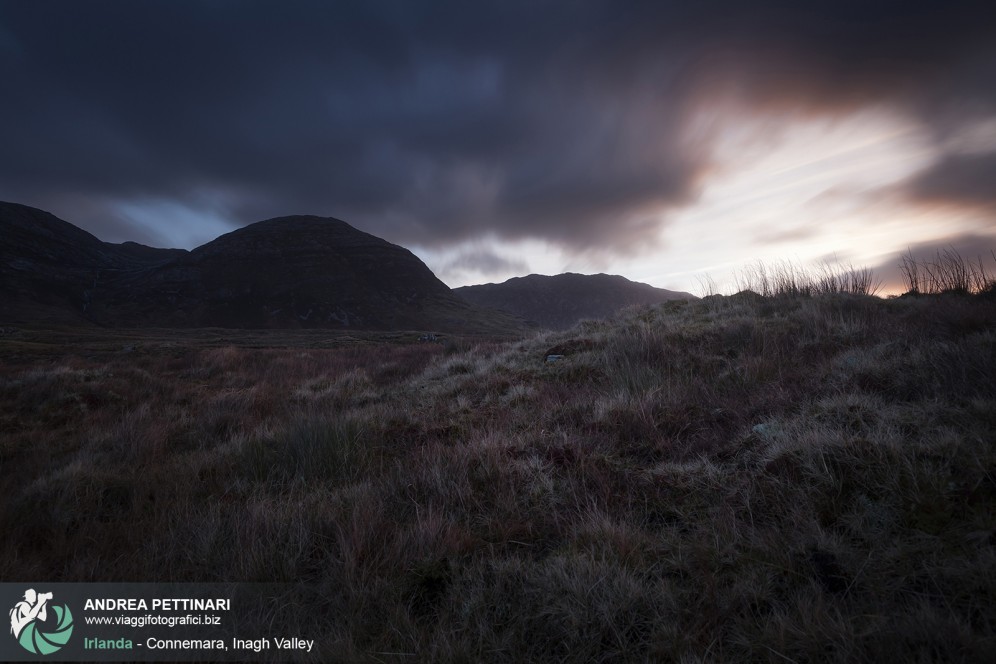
(784, 474)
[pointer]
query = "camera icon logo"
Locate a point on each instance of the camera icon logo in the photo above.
(31, 627)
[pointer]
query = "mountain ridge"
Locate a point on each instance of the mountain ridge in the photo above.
(297, 271)
(286, 272)
(561, 301)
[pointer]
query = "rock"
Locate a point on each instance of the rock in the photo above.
(572, 346)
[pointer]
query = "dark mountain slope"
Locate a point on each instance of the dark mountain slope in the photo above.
(289, 272)
(48, 266)
(561, 301)
(300, 271)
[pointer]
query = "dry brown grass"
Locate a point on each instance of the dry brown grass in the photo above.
(734, 479)
(946, 272)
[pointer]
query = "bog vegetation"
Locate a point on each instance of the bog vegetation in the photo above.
(784, 476)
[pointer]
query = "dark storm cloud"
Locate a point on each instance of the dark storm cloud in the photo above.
(437, 122)
(959, 179)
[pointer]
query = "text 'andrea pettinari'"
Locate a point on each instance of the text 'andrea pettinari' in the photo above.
(158, 604)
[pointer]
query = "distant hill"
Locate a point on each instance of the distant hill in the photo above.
(560, 301)
(288, 272)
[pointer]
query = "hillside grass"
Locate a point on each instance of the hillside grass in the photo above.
(743, 479)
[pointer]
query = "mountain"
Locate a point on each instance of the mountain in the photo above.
(288, 272)
(560, 301)
(47, 265)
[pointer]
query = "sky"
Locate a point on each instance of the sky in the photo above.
(669, 142)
